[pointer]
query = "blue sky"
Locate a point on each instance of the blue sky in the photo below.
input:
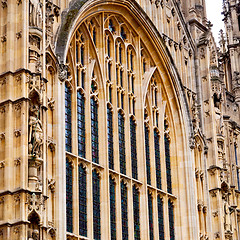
(214, 9)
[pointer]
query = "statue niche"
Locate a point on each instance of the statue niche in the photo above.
(33, 228)
(35, 143)
(35, 13)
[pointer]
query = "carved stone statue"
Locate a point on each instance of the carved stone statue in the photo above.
(35, 235)
(227, 217)
(35, 132)
(35, 13)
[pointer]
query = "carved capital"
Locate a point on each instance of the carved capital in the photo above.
(17, 132)
(4, 3)
(2, 164)
(17, 162)
(2, 136)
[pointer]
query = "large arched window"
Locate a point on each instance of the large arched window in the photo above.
(115, 106)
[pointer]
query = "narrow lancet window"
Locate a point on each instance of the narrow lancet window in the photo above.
(112, 188)
(82, 186)
(171, 220)
(121, 135)
(160, 218)
(136, 213)
(81, 124)
(124, 208)
(69, 195)
(94, 128)
(68, 119)
(133, 148)
(96, 205)
(157, 158)
(147, 153)
(110, 137)
(150, 215)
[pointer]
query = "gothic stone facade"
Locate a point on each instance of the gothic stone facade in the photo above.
(119, 119)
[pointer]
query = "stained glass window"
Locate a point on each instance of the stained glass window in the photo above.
(108, 46)
(120, 53)
(238, 180)
(150, 215)
(94, 36)
(82, 55)
(110, 137)
(157, 158)
(96, 206)
(69, 195)
(112, 208)
(171, 220)
(81, 124)
(168, 163)
(133, 148)
(83, 79)
(136, 213)
(124, 207)
(68, 119)
(121, 135)
(109, 71)
(147, 152)
(160, 218)
(132, 78)
(82, 186)
(94, 128)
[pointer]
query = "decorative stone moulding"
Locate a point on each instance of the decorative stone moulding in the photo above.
(19, 34)
(17, 132)
(2, 164)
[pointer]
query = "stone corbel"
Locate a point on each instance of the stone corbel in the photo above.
(62, 72)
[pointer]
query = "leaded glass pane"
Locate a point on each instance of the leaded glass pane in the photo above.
(112, 208)
(69, 196)
(124, 207)
(82, 186)
(157, 158)
(238, 180)
(136, 213)
(133, 148)
(68, 119)
(96, 206)
(94, 129)
(121, 135)
(81, 124)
